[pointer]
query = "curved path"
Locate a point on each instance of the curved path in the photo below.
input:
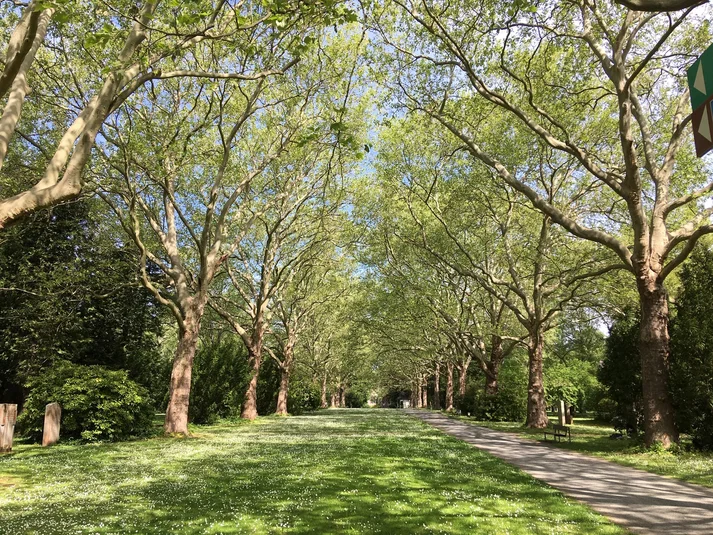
(641, 501)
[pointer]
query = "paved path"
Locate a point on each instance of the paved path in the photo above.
(640, 501)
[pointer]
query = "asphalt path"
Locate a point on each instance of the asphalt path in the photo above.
(640, 501)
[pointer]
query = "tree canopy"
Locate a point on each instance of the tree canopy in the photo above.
(445, 202)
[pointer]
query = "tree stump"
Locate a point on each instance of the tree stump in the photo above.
(50, 435)
(8, 416)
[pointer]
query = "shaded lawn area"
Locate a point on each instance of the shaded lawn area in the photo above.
(336, 471)
(592, 438)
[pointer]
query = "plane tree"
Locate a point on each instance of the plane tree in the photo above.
(295, 209)
(600, 85)
(185, 167)
(472, 322)
(477, 230)
(285, 242)
(80, 63)
(313, 293)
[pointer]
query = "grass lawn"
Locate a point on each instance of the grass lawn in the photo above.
(592, 438)
(336, 471)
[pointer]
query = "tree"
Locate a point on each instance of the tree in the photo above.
(70, 290)
(185, 204)
(511, 256)
(311, 288)
(403, 327)
(620, 372)
(100, 58)
(285, 240)
(146, 200)
(642, 199)
(692, 350)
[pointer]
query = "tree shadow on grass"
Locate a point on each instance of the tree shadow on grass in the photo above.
(593, 438)
(339, 472)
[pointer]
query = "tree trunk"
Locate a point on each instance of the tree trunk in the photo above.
(324, 405)
(419, 393)
(437, 388)
(462, 375)
(424, 394)
(333, 400)
(659, 422)
(282, 394)
(176, 420)
(285, 371)
(342, 403)
(449, 387)
(249, 411)
(496, 360)
(536, 409)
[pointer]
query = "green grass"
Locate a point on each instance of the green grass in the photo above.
(592, 438)
(337, 471)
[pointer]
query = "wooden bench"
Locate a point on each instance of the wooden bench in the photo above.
(558, 432)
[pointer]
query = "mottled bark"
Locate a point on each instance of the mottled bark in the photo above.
(493, 366)
(424, 395)
(176, 420)
(437, 388)
(75, 146)
(449, 387)
(282, 393)
(22, 39)
(462, 376)
(323, 404)
(654, 353)
(536, 409)
(249, 411)
(17, 73)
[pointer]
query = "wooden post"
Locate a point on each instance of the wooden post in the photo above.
(8, 416)
(50, 435)
(560, 412)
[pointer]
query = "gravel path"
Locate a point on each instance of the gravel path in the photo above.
(641, 501)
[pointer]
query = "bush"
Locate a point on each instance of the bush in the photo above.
(268, 386)
(355, 399)
(506, 406)
(303, 397)
(97, 404)
(220, 377)
(605, 410)
(620, 373)
(692, 351)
